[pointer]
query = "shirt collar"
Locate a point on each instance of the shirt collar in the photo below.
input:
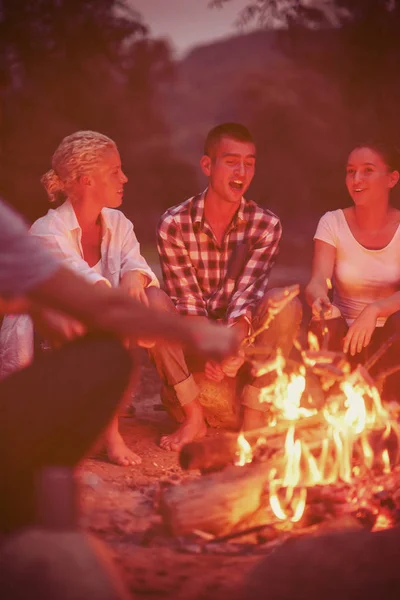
(198, 211)
(66, 210)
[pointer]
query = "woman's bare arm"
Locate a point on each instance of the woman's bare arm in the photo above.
(322, 270)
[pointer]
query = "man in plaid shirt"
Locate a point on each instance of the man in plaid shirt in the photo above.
(216, 251)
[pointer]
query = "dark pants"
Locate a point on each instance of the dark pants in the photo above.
(338, 328)
(51, 413)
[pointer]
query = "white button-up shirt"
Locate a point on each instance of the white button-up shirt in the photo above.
(61, 233)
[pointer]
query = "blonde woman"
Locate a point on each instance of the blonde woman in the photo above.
(91, 237)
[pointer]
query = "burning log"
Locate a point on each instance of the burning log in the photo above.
(216, 502)
(334, 442)
(212, 454)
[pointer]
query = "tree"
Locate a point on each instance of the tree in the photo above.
(80, 64)
(310, 13)
(286, 13)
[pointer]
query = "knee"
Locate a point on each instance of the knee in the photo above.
(292, 312)
(159, 299)
(393, 322)
(295, 310)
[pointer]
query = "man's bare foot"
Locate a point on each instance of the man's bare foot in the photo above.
(191, 429)
(119, 453)
(253, 419)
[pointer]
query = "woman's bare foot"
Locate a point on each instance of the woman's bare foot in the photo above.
(119, 453)
(191, 429)
(253, 419)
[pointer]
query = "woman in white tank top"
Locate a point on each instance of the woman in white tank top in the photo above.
(358, 250)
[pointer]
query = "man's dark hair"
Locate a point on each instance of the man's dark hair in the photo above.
(231, 130)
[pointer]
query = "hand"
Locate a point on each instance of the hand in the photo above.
(56, 327)
(134, 282)
(322, 303)
(213, 371)
(213, 341)
(230, 366)
(360, 332)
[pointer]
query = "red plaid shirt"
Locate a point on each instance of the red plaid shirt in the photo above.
(205, 279)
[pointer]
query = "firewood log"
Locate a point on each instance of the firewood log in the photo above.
(216, 502)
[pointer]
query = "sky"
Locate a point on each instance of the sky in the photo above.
(188, 23)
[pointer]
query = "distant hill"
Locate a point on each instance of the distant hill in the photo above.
(206, 84)
(276, 84)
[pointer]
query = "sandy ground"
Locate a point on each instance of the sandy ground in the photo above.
(119, 505)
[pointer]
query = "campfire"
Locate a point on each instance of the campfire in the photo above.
(328, 458)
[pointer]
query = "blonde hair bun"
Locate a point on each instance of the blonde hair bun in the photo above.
(53, 185)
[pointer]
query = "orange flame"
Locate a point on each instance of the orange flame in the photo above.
(244, 452)
(347, 420)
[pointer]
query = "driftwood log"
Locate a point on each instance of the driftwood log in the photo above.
(216, 502)
(215, 453)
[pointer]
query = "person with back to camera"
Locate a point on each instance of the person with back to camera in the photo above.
(358, 248)
(53, 410)
(92, 238)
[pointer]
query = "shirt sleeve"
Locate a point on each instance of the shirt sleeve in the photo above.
(178, 271)
(24, 264)
(57, 238)
(252, 283)
(326, 230)
(131, 259)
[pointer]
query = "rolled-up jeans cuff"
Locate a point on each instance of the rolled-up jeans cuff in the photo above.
(187, 390)
(251, 397)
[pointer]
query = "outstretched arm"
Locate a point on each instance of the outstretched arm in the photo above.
(113, 311)
(30, 273)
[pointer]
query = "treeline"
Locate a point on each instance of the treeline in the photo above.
(67, 65)
(307, 94)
